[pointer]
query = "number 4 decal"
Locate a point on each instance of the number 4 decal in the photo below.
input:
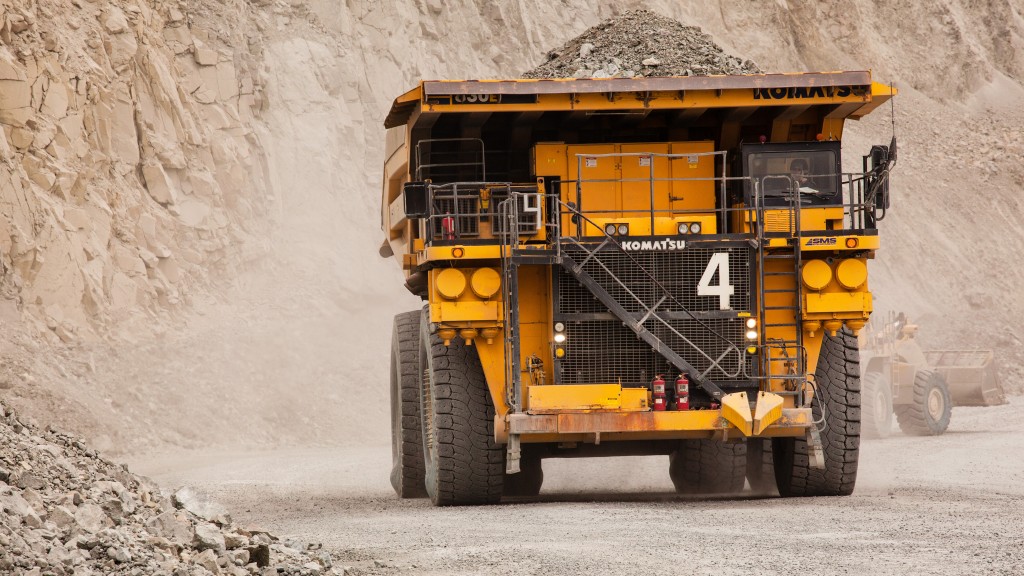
(720, 262)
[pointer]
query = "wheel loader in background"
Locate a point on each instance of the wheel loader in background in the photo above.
(630, 266)
(919, 386)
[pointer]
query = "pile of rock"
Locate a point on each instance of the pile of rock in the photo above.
(640, 43)
(66, 510)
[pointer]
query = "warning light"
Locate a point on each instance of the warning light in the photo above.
(458, 252)
(852, 242)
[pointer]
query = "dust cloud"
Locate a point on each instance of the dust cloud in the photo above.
(289, 345)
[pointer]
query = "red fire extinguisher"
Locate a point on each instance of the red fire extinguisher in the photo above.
(682, 392)
(658, 390)
(448, 227)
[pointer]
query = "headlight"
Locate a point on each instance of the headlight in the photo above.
(559, 338)
(695, 228)
(751, 335)
(683, 227)
(751, 323)
(609, 229)
(559, 327)
(623, 229)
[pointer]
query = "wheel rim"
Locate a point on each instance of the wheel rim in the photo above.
(936, 404)
(880, 407)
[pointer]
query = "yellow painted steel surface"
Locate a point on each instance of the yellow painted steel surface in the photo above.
(648, 424)
(451, 283)
(816, 274)
(839, 302)
(736, 409)
(619, 188)
(543, 399)
(767, 411)
(852, 273)
(534, 334)
(435, 253)
(574, 397)
(848, 94)
(485, 282)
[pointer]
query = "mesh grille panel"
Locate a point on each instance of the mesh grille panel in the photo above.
(606, 351)
(679, 272)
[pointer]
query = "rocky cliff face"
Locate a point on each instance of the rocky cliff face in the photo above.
(129, 170)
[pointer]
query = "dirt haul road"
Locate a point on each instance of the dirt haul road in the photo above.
(952, 504)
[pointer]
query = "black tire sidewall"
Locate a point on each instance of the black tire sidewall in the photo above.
(935, 382)
(426, 368)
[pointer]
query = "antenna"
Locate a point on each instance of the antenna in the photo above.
(892, 118)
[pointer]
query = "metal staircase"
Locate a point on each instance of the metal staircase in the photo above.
(648, 318)
(781, 358)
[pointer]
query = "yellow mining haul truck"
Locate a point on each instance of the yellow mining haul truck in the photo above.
(630, 266)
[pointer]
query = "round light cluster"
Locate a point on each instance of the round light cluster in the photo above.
(689, 228)
(613, 229)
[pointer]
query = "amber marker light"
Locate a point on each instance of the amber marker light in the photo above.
(458, 252)
(852, 242)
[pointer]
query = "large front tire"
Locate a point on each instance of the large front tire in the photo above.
(708, 467)
(837, 402)
(407, 470)
(876, 406)
(464, 465)
(931, 409)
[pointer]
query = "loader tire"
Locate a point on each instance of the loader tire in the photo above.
(708, 467)
(464, 465)
(876, 410)
(407, 470)
(837, 404)
(529, 479)
(760, 469)
(930, 411)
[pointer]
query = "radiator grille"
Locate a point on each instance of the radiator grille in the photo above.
(604, 350)
(678, 271)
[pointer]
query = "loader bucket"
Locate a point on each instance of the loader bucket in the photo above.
(971, 376)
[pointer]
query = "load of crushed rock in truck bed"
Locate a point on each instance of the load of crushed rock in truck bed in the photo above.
(640, 43)
(66, 510)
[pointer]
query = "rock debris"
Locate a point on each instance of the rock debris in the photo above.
(641, 43)
(66, 510)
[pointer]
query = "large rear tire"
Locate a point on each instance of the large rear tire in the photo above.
(708, 467)
(837, 402)
(876, 406)
(760, 468)
(464, 465)
(931, 409)
(407, 470)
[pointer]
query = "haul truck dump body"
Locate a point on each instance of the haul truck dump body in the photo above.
(629, 266)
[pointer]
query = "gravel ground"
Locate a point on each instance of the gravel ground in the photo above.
(952, 504)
